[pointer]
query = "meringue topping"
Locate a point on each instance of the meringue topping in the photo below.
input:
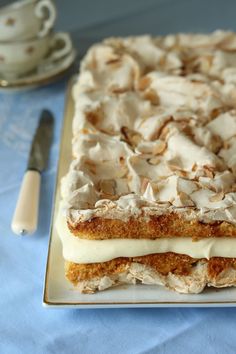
(154, 129)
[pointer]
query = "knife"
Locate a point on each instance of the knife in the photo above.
(25, 218)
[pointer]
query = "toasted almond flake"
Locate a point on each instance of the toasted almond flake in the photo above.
(159, 148)
(217, 197)
(86, 290)
(171, 200)
(122, 172)
(174, 164)
(91, 166)
(226, 145)
(185, 199)
(135, 139)
(117, 90)
(114, 60)
(161, 132)
(152, 96)
(204, 63)
(107, 186)
(208, 171)
(181, 173)
(122, 160)
(84, 131)
(212, 188)
(94, 117)
(215, 112)
(129, 178)
(94, 62)
(209, 174)
(154, 160)
(173, 167)
(215, 144)
(132, 138)
(144, 183)
(164, 131)
(155, 187)
(144, 83)
(187, 129)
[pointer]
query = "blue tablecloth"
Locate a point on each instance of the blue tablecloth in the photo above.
(25, 326)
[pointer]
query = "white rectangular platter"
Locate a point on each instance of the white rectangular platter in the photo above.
(58, 292)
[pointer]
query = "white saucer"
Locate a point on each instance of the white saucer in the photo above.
(45, 73)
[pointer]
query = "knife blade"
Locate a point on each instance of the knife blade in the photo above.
(40, 146)
(25, 218)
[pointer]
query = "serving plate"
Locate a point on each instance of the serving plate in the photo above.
(58, 292)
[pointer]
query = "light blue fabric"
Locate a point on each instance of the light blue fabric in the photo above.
(25, 326)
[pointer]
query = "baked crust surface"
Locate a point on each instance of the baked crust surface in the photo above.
(170, 225)
(164, 263)
(177, 272)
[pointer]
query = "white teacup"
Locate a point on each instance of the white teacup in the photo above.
(26, 19)
(19, 58)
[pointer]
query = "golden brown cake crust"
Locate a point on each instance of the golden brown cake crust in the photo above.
(162, 226)
(163, 263)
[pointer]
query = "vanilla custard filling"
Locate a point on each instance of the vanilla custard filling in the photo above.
(79, 250)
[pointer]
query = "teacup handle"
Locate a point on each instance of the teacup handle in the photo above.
(39, 12)
(66, 49)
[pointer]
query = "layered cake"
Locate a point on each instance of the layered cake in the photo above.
(150, 195)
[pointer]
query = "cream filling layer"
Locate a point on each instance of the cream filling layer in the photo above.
(79, 250)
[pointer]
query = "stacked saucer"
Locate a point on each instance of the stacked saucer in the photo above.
(30, 52)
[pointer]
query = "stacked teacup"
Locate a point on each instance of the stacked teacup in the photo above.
(27, 37)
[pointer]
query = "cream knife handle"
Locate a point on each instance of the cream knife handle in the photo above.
(25, 218)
